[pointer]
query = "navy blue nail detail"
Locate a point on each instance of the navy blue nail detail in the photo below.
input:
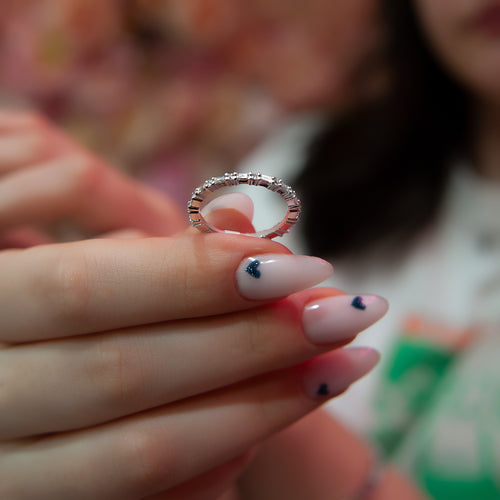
(357, 302)
(323, 390)
(252, 269)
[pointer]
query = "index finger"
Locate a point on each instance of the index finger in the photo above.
(89, 286)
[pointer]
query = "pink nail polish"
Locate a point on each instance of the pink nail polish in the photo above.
(332, 373)
(333, 319)
(272, 276)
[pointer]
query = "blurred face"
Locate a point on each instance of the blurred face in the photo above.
(465, 35)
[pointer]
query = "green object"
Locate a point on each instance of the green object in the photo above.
(412, 375)
(454, 451)
(449, 441)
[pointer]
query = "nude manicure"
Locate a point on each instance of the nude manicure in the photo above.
(272, 276)
(342, 317)
(331, 374)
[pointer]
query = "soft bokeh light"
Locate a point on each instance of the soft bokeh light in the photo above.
(178, 90)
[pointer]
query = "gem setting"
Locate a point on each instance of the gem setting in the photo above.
(274, 184)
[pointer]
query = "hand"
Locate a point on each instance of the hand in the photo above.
(134, 367)
(47, 181)
(125, 363)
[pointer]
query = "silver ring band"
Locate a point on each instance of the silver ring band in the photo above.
(200, 195)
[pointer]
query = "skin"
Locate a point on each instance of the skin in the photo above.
(471, 54)
(470, 50)
(295, 463)
(132, 392)
(127, 370)
(47, 177)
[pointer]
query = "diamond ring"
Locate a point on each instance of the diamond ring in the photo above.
(202, 194)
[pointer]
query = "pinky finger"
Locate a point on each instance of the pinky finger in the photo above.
(149, 453)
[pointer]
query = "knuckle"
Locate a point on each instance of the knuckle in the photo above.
(67, 290)
(117, 374)
(30, 121)
(264, 416)
(148, 461)
(83, 173)
(255, 337)
(35, 118)
(260, 419)
(260, 339)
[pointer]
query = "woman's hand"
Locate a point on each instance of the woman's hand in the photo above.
(134, 367)
(52, 187)
(148, 367)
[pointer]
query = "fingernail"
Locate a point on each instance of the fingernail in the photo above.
(235, 201)
(331, 374)
(271, 276)
(333, 319)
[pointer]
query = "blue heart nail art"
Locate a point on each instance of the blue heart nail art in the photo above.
(252, 269)
(357, 302)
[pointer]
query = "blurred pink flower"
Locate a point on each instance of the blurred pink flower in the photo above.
(176, 90)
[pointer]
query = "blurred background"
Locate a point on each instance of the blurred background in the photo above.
(175, 91)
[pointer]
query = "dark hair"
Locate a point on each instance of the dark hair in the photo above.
(377, 173)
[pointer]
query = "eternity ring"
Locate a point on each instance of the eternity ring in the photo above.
(202, 194)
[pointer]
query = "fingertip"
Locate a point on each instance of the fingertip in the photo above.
(331, 374)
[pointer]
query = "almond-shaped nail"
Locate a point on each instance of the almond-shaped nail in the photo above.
(342, 317)
(331, 374)
(270, 276)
